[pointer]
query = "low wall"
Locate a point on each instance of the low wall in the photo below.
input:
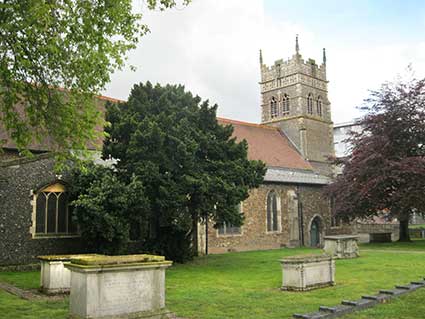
(363, 231)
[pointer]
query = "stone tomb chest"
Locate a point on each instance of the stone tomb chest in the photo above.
(54, 277)
(341, 246)
(306, 272)
(131, 286)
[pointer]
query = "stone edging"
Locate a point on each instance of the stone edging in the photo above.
(22, 293)
(348, 306)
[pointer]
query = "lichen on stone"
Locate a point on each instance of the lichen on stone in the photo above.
(103, 260)
(66, 257)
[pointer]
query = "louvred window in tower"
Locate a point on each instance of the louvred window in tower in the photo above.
(319, 106)
(310, 104)
(285, 104)
(273, 108)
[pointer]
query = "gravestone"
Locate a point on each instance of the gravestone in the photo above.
(342, 246)
(54, 277)
(307, 272)
(131, 286)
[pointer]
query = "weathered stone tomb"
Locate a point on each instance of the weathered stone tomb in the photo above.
(341, 246)
(130, 286)
(307, 272)
(54, 277)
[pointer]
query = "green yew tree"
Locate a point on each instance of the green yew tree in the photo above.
(106, 207)
(191, 168)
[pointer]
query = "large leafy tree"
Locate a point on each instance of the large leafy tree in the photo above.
(386, 169)
(191, 167)
(73, 45)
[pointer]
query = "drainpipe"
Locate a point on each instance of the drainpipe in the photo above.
(206, 236)
(300, 216)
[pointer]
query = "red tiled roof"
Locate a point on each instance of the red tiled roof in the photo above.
(46, 144)
(267, 144)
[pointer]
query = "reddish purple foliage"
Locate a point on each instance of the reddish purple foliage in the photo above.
(386, 169)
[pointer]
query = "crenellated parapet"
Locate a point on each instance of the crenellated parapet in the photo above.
(294, 65)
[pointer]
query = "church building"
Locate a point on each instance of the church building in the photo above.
(294, 139)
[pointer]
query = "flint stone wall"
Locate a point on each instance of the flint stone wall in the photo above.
(18, 177)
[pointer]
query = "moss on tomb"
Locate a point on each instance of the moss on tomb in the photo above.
(66, 257)
(102, 260)
(306, 258)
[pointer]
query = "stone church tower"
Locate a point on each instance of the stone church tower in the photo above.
(294, 97)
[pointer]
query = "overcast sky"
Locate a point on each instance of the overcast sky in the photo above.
(212, 47)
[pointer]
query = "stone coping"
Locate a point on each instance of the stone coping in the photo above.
(65, 257)
(341, 237)
(103, 260)
(117, 267)
(305, 258)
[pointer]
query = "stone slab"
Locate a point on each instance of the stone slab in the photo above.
(367, 301)
(361, 303)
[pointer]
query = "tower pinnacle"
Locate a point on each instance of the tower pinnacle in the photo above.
(297, 46)
(261, 57)
(324, 56)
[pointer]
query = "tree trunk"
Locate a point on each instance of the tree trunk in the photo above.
(195, 234)
(404, 229)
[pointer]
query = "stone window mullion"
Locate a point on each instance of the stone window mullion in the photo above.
(46, 196)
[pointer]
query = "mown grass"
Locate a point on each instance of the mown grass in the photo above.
(416, 226)
(12, 307)
(414, 245)
(246, 285)
(24, 280)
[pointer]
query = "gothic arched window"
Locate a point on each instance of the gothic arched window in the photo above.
(51, 211)
(272, 212)
(319, 106)
(285, 104)
(273, 107)
(310, 104)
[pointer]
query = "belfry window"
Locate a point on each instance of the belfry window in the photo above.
(273, 108)
(272, 212)
(52, 215)
(285, 104)
(319, 106)
(310, 104)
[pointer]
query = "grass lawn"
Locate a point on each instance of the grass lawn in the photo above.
(414, 245)
(246, 285)
(417, 226)
(14, 307)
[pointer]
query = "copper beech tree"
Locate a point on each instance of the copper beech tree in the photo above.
(386, 168)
